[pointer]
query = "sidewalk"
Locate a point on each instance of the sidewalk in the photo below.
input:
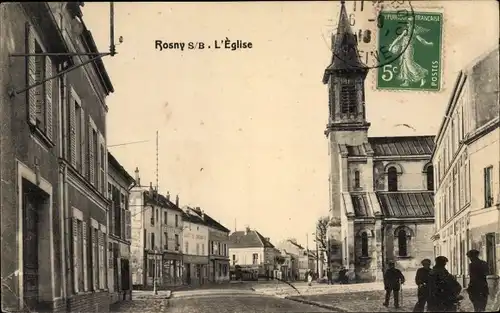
(282, 289)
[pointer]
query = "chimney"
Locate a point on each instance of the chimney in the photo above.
(177, 200)
(247, 230)
(268, 239)
(168, 195)
(137, 177)
(203, 215)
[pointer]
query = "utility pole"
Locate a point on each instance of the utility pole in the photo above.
(155, 290)
(317, 257)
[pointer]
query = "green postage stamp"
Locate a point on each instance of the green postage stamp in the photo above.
(416, 50)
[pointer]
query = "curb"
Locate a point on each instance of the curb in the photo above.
(318, 304)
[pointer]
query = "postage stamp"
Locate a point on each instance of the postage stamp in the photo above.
(419, 65)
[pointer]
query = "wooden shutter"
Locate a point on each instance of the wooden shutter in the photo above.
(31, 79)
(84, 243)
(72, 129)
(98, 169)
(91, 155)
(82, 142)
(123, 221)
(75, 254)
(94, 256)
(128, 229)
(48, 97)
(101, 256)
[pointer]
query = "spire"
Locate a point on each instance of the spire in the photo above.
(344, 47)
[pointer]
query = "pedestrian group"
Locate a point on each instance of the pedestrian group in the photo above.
(438, 288)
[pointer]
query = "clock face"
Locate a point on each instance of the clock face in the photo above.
(383, 31)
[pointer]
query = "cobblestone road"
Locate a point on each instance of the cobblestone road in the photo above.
(217, 303)
(371, 301)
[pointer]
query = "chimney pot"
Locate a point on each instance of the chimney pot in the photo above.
(168, 195)
(137, 177)
(177, 200)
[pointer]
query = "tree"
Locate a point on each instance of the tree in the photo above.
(321, 233)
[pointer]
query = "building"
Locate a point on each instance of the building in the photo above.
(253, 252)
(195, 253)
(119, 275)
(467, 166)
(156, 238)
(218, 254)
(54, 167)
(291, 247)
(381, 187)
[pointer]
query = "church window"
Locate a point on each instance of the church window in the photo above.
(402, 243)
(392, 178)
(364, 244)
(430, 178)
(348, 97)
(356, 179)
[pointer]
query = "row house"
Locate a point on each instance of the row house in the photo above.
(195, 254)
(467, 166)
(156, 240)
(218, 254)
(304, 259)
(54, 161)
(251, 251)
(119, 275)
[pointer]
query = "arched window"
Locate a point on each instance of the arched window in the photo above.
(356, 179)
(364, 244)
(402, 243)
(392, 178)
(430, 178)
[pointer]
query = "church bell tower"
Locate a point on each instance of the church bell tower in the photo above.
(347, 125)
(345, 77)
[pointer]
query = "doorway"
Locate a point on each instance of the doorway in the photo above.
(32, 202)
(188, 273)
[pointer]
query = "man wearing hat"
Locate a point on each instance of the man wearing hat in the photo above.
(444, 289)
(393, 279)
(478, 285)
(422, 279)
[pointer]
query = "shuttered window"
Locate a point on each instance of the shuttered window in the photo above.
(128, 225)
(101, 260)
(84, 257)
(76, 264)
(79, 255)
(95, 258)
(40, 98)
(92, 154)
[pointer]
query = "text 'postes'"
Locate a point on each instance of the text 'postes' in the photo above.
(225, 44)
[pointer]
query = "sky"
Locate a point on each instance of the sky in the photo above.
(241, 132)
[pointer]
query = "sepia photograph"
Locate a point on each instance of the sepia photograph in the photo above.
(250, 156)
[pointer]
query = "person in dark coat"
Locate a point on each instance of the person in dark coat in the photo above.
(329, 275)
(478, 285)
(393, 279)
(444, 289)
(343, 279)
(422, 279)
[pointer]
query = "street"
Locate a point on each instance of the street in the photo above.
(216, 300)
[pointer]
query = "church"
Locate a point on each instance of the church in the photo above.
(381, 188)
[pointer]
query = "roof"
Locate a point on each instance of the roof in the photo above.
(397, 204)
(153, 197)
(295, 244)
(251, 239)
(209, 221)
(392, 146)
(345, 54)
(119, 168)
(192, 218)
(406, 204)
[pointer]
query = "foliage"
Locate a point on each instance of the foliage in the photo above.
(322, 226)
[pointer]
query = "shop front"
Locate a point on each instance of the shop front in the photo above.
(218, 269)
(172, 269)
(195, 269)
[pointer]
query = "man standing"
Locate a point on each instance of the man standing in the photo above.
(444, 289)
(422, 279)
(393, 279)
(478, 286)
(329, 276)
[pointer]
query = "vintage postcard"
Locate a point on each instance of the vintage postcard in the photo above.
(250, 156)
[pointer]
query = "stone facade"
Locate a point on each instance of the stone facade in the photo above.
(381, 188)
(53, 160)
(467, 170)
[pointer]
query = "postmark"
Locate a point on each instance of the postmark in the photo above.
(369, 23)
(419, 63)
